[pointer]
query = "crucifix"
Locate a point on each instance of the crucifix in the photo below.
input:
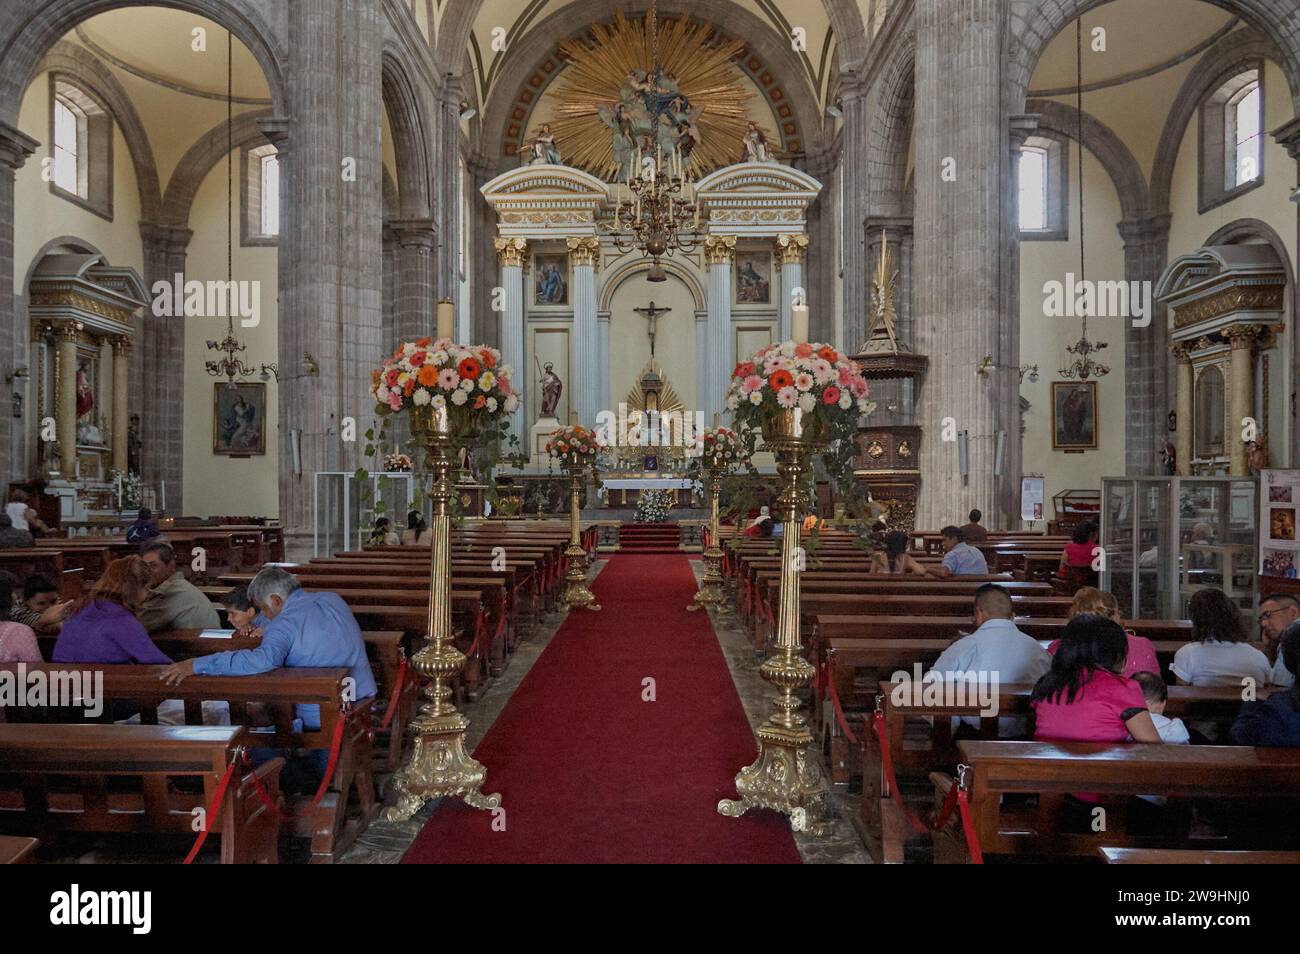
(652, 317)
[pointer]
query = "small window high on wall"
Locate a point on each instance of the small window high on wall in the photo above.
(1231, 139)
(81, 148)
(260, 196)
(1044, 172)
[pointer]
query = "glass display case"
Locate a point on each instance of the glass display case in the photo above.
(344, 508)
(1167, 537)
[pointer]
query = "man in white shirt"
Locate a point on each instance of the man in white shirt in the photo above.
(996, 645)
(1277, 614)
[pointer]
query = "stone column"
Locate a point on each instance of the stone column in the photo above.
(417, 242)
(330, 250)
(1288, 137)
(15, 147)
(1183, 410)
(584, 254)
(512, 253)
(896, 232)
(820, 269)
(446, 198)
(718, 359)
(392, 285)
(1146, 350)
(66, 396)
(483, 277)
(1241, 392)
(790, 252)
(854, 199)
(603, 396)
(962, 176)
(121, 377)
(161, 341)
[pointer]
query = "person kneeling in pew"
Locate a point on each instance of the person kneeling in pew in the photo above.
(302, 630)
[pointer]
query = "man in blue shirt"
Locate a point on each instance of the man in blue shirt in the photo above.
(960, 558)
(302, 630)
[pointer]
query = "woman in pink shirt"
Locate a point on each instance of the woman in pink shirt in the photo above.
(1141, 655)
(17, 642)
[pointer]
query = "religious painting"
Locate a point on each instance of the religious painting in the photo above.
(1074, 415)
(1281, 524)
(1278, 494)
(551, 279)
(1279, 563)
(239, 419)
(88, 415)
(753, 278)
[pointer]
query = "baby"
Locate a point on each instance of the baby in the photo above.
(1156, 693)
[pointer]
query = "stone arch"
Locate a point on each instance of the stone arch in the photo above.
(1031, 31)
(25, 38)
(406, 116)
(1245, 47)
(1124, 171)
(630, 266)
(850, 32)
(772, 48)
(891, 130)
(207, 151)
(81, 66)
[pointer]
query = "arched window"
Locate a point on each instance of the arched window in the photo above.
(1231, 130)
(260, 196)
(1043, 194)
(81, 148)
(1033, 189)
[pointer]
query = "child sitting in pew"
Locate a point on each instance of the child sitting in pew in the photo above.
(17, 641)
(39, 607)
(1156, 693)
(241, 613)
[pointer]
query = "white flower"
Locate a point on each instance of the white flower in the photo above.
(823, 371)
(381, 395)
(466, 385)
(438, 357)
(787, 348)
(755, 398)
(807, 403)
(420, 397)
(459, 397)
(512, 402)
(439, 401)
(787, 397)
(733, 402)
(492, 405)
(486, 381)
(846, 400)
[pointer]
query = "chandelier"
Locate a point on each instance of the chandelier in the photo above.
(1083, 366)
(659, 214)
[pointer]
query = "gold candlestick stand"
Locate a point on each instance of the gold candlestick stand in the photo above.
(710, 592)
(577, 595)
(439, 764)
(787, 776)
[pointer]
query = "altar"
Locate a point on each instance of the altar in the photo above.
(620, 492)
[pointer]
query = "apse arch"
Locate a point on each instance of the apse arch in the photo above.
(206, 152)
(630, 267)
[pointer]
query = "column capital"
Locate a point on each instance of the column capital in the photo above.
(895, 226)
(275, 129)
(511, 250)
(15, 146)
(415, 233)
(121, 346)
(1021, 126)
(1145, 230)
(1288, 137)
(68, 330)
(1241, 337)
(1182, 352)
(165, 238)
(719, 249)
(584, 250)
(791, 249)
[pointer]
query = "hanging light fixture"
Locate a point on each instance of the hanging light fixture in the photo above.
(230, 366)
(660, 215)
(1083, 366)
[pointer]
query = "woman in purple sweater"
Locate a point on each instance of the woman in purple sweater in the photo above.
(101, 626)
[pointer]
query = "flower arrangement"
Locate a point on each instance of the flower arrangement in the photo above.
(573, 443)
(652, 506)
(723, 445)
(397, 463)
(814, 378)
(469, 381)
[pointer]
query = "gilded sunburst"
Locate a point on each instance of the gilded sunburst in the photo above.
(612, 100)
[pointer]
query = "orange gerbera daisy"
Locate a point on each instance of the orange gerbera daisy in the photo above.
(428, 375)
(780, 378)
(488, 360)
(827, 353)
(469, 368)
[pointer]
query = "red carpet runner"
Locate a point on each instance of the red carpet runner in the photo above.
(590, 773)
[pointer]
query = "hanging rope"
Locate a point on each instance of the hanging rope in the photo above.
(1078, 118)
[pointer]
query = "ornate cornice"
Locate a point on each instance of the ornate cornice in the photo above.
(15, 146)
(1227, 301)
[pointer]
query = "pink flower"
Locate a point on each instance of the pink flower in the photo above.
(395, 400)
(753, 383)
(448, 379)
(803, 381)
(787, 397)
(846, 376)
(391, 378)
(831, 395)
(417, 359)
(859, 387)
(803, 350)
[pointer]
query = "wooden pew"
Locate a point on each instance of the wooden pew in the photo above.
(58, 779)
(17, 851)
(349, 804)
(1176, 856)
(1052, 769)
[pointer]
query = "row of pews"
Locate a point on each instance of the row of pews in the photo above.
(861, 627)
(506, 576)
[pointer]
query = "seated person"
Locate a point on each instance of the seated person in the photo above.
(302, 629)
(101, 626)
(895, 558)
(143, 529)
(173, 602)
(1278, 615)
(17, 641)
(973, 532)
(416, 533)
(23, 516)
(11, 537)
(1078, 555)
(1156, 693)
(242, 614)
(755, 528)
(959, 557)
(1141, 652)
(1219, 654)
(383, 534)
(1275, 721)
(40, 607)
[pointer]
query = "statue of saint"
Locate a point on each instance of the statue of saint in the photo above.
(756, 147)
(133, 443)
(552, 388)
(543, 148)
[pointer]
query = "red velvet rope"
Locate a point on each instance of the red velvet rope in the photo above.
(972, 843)
(336, 745)
(887, 763)
(839, 713)
(395, 695)
(218, 797)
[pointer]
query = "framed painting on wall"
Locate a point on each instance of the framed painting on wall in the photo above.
(1074, 415)
(239, 419)
(753, 277)
(551, 278)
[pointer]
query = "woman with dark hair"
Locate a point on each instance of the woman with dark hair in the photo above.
(1083, 697)
(1219, 654)
(416, 533)
(895, 558)
(101, 626)
(1077, 557)
(17, 641)
(1275, 721)
(383, 534)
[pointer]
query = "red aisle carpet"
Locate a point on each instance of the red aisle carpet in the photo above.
(590, 773)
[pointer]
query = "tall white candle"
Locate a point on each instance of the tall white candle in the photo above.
(799, 322)
(446, 319)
